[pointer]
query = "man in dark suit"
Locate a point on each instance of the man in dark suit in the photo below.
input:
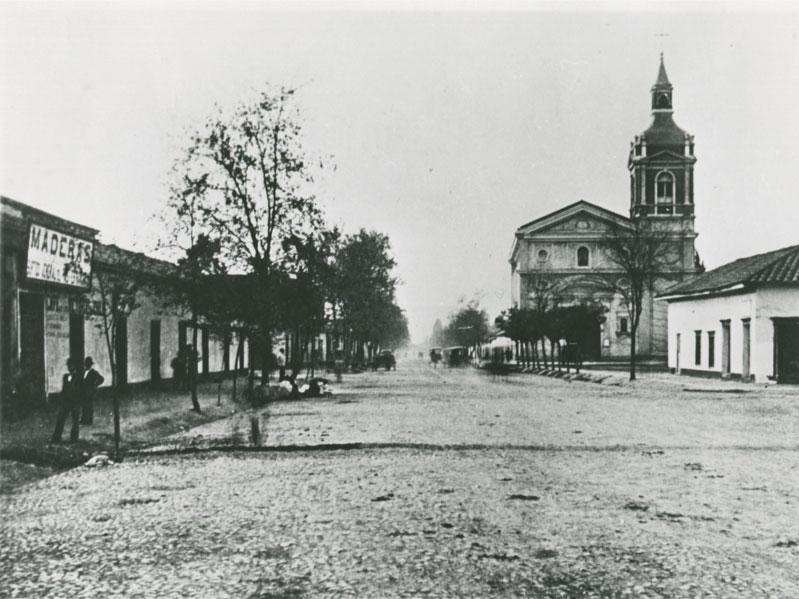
(91, 380)
(71, 386)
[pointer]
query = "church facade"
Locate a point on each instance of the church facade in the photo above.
(562, 254)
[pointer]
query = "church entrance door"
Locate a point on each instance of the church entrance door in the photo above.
(589, 339)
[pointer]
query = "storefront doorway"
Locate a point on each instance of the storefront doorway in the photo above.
(786, 350)
(77, 342)
(155, 350)
(31, 341)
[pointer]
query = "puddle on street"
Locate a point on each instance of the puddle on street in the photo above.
(246, 429)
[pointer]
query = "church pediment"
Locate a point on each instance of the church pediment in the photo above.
(584, 222)
(582, 217)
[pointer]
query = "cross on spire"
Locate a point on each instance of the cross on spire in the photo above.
(661, 36)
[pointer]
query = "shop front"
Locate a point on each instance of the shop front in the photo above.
(46, 262)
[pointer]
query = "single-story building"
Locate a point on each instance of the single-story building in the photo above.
(740, 320)
(51, 309)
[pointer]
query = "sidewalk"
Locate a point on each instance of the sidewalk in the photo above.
(146, 415)
(689, 382)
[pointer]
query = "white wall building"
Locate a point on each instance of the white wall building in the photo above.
(50, 310)
(740, 320)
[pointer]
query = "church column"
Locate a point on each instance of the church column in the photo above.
(642, 170)
(685, 194)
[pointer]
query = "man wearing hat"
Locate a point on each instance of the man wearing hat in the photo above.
(91, 380)
(69, 402)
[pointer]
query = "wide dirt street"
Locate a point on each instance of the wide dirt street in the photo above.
(440, 483)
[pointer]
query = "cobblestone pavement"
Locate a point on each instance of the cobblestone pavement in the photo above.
(418, 404)
(473, 487)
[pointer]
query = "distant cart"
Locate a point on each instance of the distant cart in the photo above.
(436, 355)
(455, 356)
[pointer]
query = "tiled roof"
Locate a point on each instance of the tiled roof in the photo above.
(779, 267)
(784, 269)
(116, 257)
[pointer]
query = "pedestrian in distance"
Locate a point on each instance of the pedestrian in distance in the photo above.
(281, 364)
(192, 357)
(338, 365)
(179, 369)
(91, 381)
(71, 388)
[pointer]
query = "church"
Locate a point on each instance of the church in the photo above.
(563, 254)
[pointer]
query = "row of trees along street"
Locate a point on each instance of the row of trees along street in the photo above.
(254, 255)
(241, 204)
(532, 328)
(637, 251)
(256, 258)
(538, 330)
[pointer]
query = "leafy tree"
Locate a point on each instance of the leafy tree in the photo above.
(543, 293)
(574, 324)
(545, 321)
(243, 182)
(302, 293)
(468, 325)
(511, 323)
(395, 332)
(638, 250)
(365, 292)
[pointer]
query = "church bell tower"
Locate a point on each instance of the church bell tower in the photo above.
(662, 162)
(661, 168)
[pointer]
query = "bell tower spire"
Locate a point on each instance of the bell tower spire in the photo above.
(661, 91)
(661, 166)
(662, 161)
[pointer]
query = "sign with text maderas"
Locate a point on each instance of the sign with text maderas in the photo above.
(56, 257)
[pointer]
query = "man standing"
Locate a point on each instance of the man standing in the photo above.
(281, 364)
(192, 357)
(70, 402)
(91, 380)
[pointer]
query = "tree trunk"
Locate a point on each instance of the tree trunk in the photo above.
(552, 346)
(633, 334)
(313, 357)
(239, 356)
(544, 352)
(266, 354)
(109, 329)
(192, 366)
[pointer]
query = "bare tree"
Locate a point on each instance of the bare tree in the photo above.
(118, 284)
(637, 250)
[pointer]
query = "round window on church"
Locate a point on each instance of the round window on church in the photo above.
(542, 255)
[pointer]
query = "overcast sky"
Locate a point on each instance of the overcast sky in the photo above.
(449, 127)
